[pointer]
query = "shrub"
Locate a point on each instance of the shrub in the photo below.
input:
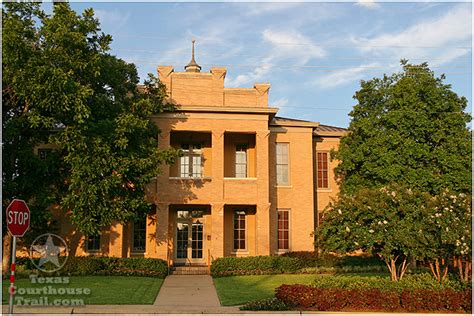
(24, 263)
(433, 300)
(313, 259)
(415, 281)
(95, 265)
(136, 266)
(353, 269)
(268, 304)
(82, 266)
(255, 265)
(337, 299)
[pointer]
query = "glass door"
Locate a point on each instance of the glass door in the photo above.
(182, 232)
(196, 240)
(189, 245)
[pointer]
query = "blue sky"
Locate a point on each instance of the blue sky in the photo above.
(313, 54)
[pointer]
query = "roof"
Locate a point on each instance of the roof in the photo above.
(285, 121)
(328, 130)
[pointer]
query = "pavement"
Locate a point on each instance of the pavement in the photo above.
(179, 294)
(190, 294)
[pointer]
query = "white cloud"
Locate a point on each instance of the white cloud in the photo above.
(436, 40)
(369, 4)
(344, 76)
(287, 48)
(293, 45)
(250, 77)
(436, 37)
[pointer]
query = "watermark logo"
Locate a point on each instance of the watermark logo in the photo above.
(49, 252)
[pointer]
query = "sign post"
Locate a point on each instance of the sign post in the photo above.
(18, 222)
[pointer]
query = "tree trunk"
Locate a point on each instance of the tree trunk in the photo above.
(392, 267)
(402, 268)
(464, 268)
(7, 253)
(439, 271)
(396, 273)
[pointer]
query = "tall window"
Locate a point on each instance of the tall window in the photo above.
(322, 160)
(282, 163)
(241, 161)
(191, 161)
(283, 229)
(93, 243)
(239, 230)
(139, 235)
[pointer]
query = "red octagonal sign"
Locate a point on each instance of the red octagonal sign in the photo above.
(18, 218)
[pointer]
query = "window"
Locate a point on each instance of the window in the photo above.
(93, 243)
(282, 163)
(241, 161)
(283, 230)
(322, 160)
(191, 161)
(139, 235)
(239, 230)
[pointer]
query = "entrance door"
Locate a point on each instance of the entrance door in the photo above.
(189, 243)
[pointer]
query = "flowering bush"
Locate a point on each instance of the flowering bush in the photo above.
(386, 222)
(373, 299)
(449, 222)
(396, 222)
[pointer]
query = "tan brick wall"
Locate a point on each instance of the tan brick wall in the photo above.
(324, 196)
(219, 118)
(298, 195)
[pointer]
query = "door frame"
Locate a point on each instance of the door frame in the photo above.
(189, 260)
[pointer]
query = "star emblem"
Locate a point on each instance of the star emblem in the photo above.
(49, 252)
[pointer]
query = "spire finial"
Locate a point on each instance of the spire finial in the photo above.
(192, 66)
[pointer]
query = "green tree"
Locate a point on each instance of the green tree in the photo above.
(407, 128)
(61, 86)
(387, 222)
(24, 174)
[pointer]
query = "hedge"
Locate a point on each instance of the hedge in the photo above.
(96, 265)
(373, 299)
(408, 282)
(295, 262)
(266, 304)
(313, 259)
(255, 265)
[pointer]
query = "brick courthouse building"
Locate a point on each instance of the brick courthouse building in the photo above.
(249, 182)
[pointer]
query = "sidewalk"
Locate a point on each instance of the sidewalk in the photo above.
(189, 294)
(152, 309)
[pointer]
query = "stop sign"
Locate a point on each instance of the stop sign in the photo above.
(18, 218)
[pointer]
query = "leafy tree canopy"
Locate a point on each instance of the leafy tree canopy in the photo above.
(61, 86)
(408, 128)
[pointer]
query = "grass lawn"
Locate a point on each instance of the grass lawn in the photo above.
(237, 290)
(103, 289)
